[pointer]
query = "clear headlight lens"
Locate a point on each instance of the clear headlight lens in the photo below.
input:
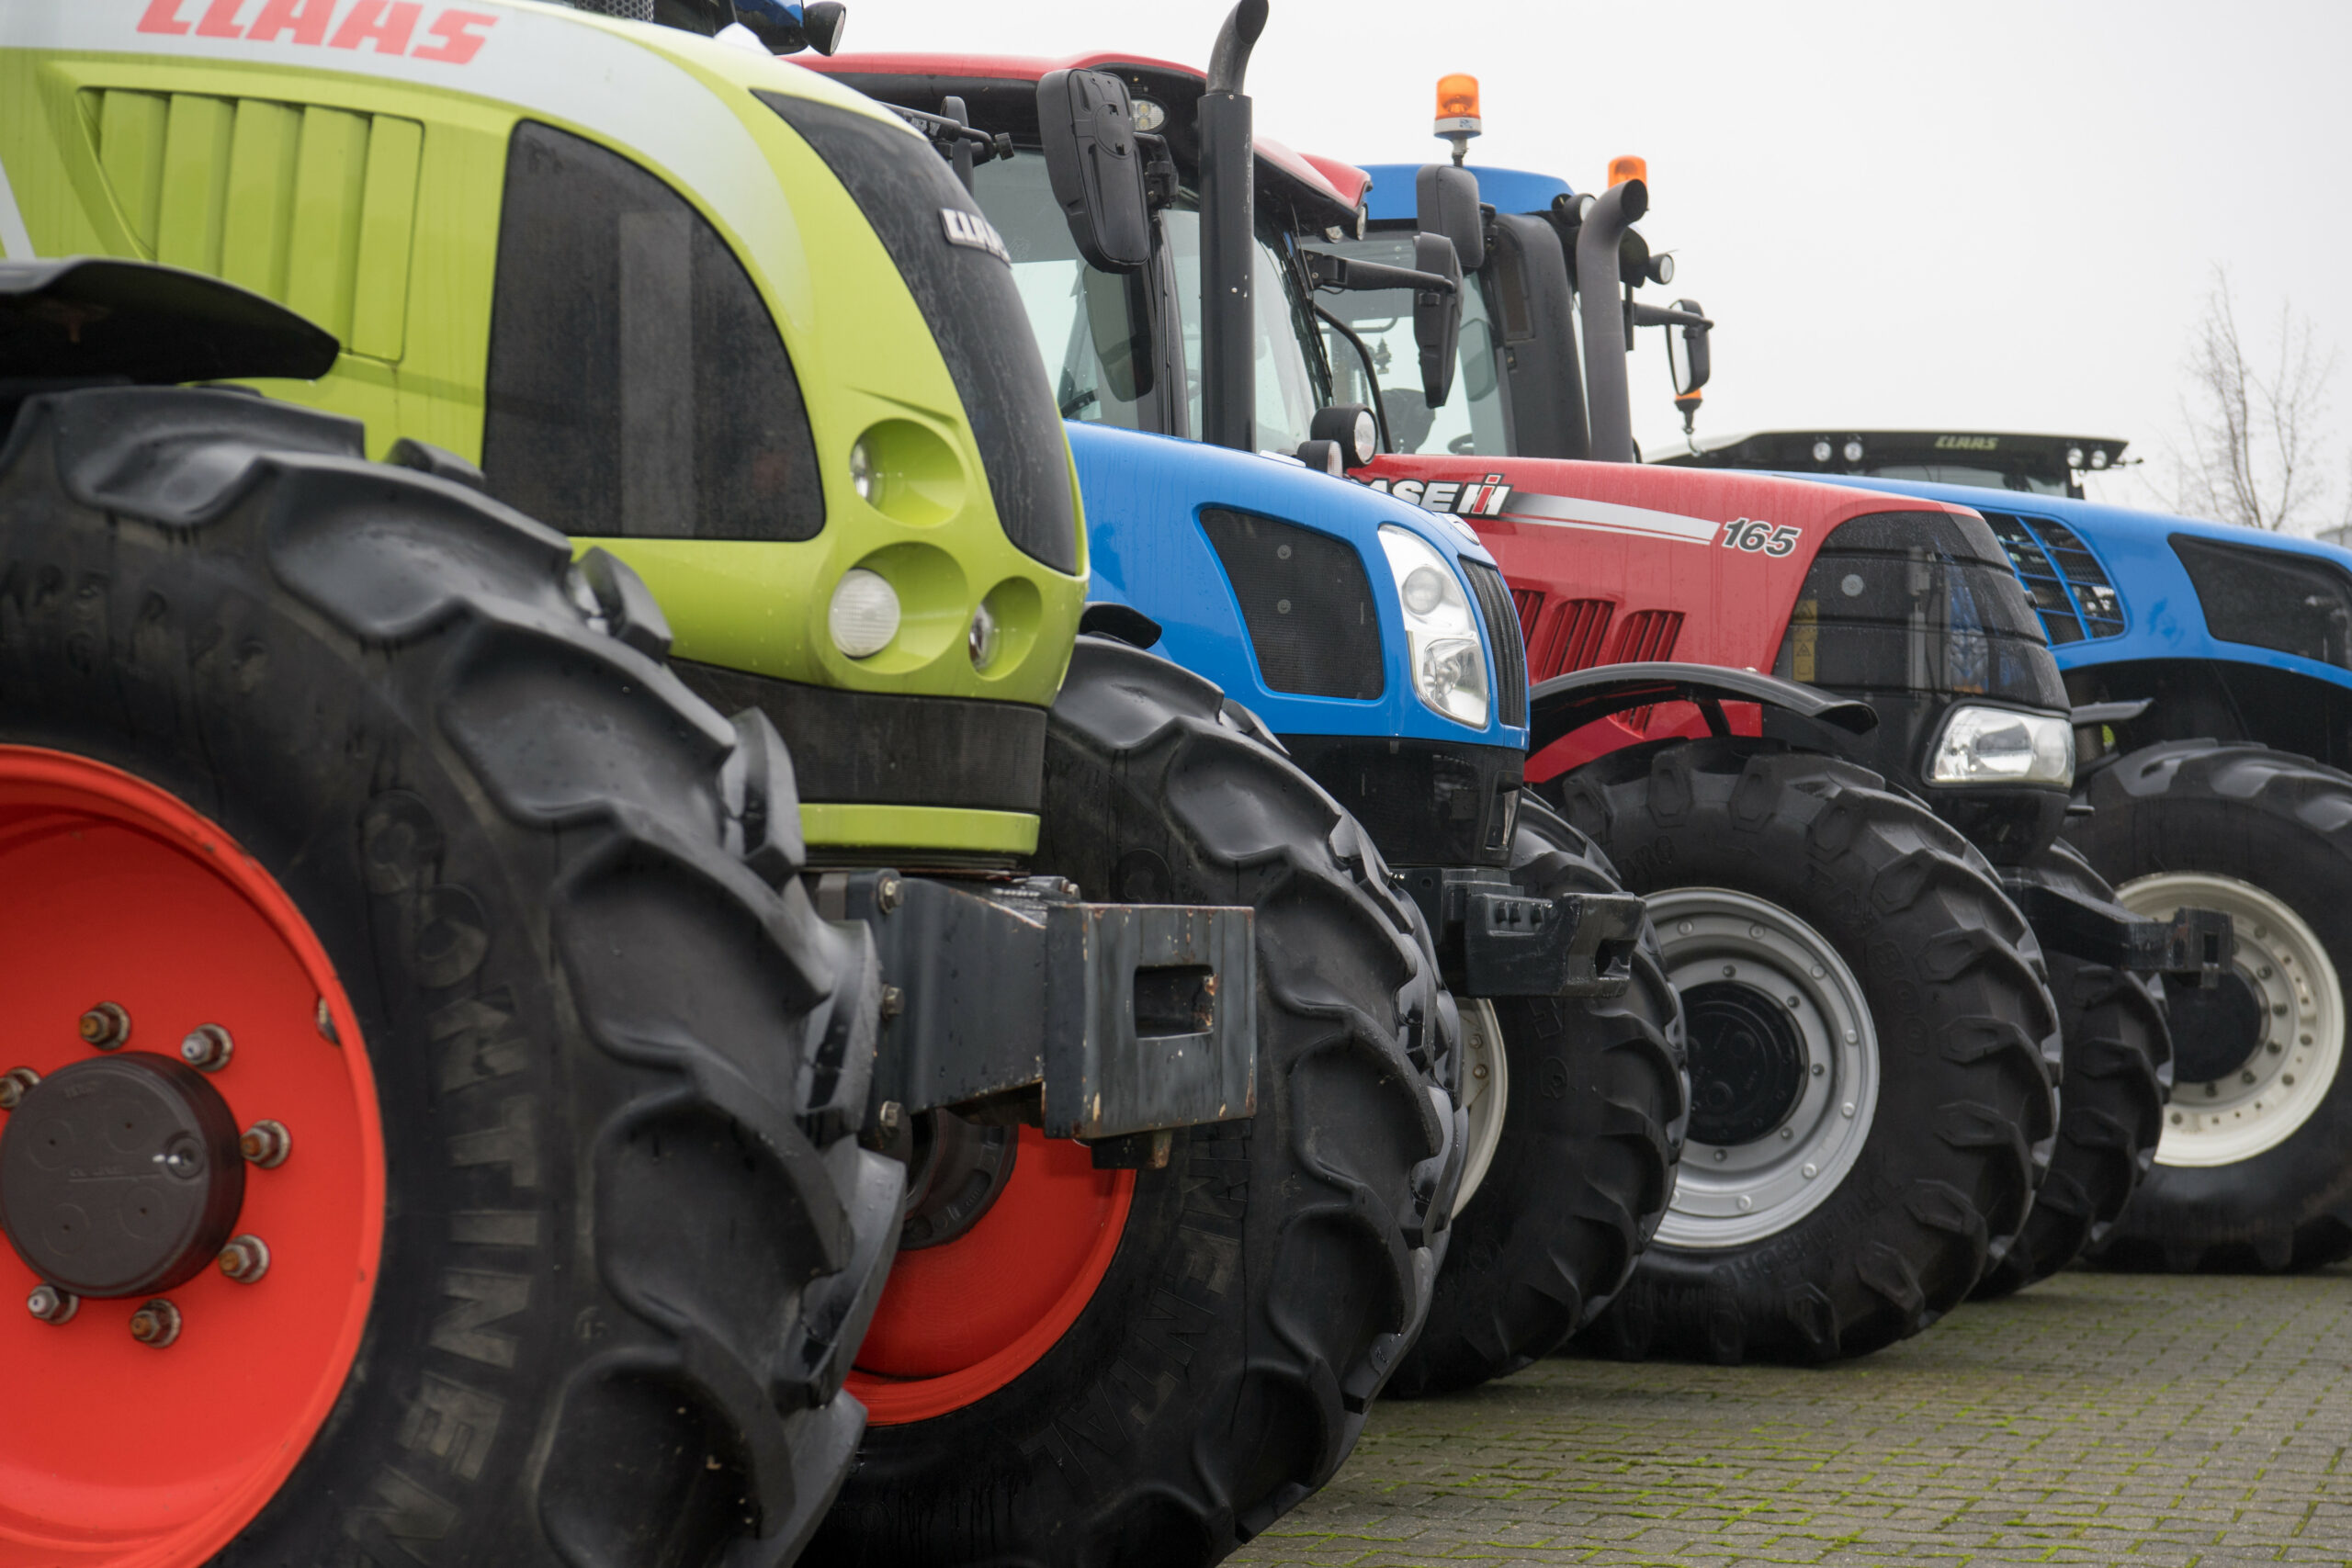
(864, 615)
(1443, 637)
(1999, 746)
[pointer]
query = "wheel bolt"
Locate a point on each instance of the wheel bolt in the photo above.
(155, 1324)
(206, 1048)
(2246, 1077)
(105, 1026)
(14, 1084)
(267, 1144)
(52, 1305)
(327, 1023)
(245, 1259)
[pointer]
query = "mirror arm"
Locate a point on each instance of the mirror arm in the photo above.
(1660, 316)
(1379, 406)
(945, 133)
(1360, 276)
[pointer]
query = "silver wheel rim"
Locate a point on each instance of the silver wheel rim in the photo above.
(1734, 1194)
(1486, 1091)
(2280, 958)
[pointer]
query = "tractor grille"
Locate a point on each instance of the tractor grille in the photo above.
(1922, 602)
(1307, 602)
(1647, 635)
(1567, 636)
(2062, 580)
(1503, 635)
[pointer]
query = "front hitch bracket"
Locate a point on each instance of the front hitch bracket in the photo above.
(1497, 939)
(2195, 944)
(1124, 1019)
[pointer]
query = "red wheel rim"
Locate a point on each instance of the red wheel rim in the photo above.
(113, 1452)
(959, 1321)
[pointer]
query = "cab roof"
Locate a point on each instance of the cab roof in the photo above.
(1505, 190)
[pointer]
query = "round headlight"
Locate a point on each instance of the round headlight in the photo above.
(1423, 589)
(2099, 457)
(1364, 438)
(1821, 451)
(864, 615)
(863, 477)
(2073, 457)
(1853, 451)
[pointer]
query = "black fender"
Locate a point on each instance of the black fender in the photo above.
(1567, 703)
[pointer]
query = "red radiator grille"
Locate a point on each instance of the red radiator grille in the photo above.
(1647, 635)
(1567, 636)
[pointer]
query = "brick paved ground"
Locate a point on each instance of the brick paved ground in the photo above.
(2097, 1418)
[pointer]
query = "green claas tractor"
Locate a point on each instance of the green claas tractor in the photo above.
(466, 1101)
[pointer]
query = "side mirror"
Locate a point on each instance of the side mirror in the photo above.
(787, 27)
(1445, 201)
(1087, 123)
(1437, 316)
(1685, 350)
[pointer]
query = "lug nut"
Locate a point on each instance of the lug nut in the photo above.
(267, 1144)
(327, 1023)
(106, 1027)
(14, 1084)
(886, 894)
(155, 1324)
(52, 1305)
(206, 1048)
(245, 1259)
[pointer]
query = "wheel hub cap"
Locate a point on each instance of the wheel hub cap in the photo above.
(120, 1176)
(1784, 1065)
(2255, 1056)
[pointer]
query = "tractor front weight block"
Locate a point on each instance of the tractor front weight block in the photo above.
(1495, 939)
(1127, 1019)
(2194, 945)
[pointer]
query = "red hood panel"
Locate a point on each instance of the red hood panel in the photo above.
(1612, 562)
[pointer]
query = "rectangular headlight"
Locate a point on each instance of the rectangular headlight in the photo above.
(1981, 745)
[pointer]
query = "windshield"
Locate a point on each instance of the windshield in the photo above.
(1472, 418)
(1091, 328)
(1087, 330)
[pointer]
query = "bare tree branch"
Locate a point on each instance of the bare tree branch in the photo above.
(2254, 431)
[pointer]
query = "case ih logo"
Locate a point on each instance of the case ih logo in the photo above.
(388, 27)
(1477, 498)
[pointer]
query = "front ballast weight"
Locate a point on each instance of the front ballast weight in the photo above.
(1145, 1013)
(1495, 939)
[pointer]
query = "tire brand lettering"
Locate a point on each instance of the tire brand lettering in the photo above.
(513, 1142)
(1753, 535)
(454, 1424)
(495, 1227)
(388, 27)
(475, 1040)
(401, 1515)
(448, 937)
(482, 1299)
(1553, 1084)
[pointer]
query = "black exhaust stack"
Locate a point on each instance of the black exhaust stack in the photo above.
(1228, 158)
(1601, 299)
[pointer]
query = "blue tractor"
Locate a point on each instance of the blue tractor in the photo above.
(1156, 244)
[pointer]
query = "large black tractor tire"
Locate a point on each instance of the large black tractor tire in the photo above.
(1595, 1103)
(2254, 1172)
(630, 1238)
(2119, 1071)
(1836, 946)
(1269, 1278)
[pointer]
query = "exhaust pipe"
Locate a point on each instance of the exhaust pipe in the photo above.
(1600, 300)
(1228, 169)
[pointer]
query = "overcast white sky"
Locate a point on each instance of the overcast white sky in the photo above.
(1999, 215)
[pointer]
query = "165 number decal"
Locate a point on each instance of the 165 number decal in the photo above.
(1753, 535)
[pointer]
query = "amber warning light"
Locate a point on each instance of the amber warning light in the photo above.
(1628, 168)
(1457, 106)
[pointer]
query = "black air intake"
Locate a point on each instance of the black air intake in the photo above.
(1308, 605)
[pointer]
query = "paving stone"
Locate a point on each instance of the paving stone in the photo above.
(2097, 1418)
